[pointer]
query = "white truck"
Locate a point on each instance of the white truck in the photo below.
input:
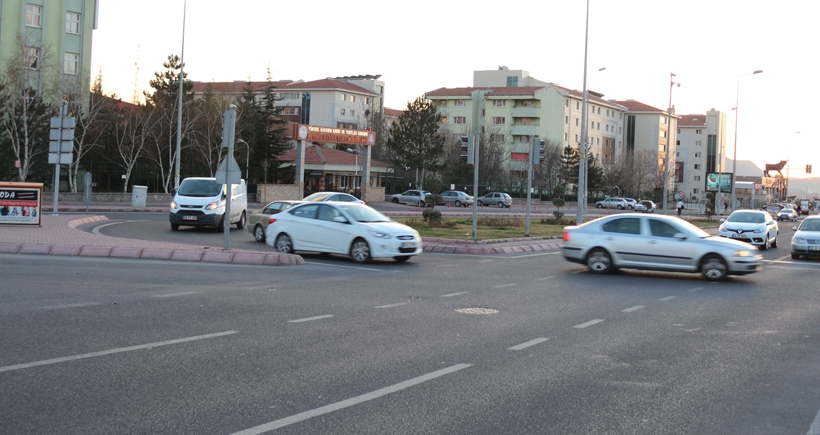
(804, 206)
(200, 201)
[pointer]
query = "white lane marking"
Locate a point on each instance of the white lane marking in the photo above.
(814, 429)
(590, 323)
(96, 229)
(350, 402)
(635, 308)
(668, 298)
(112, 351)
(453, 294)
(81, 304)
(392, 305)
(543, 278)
(696, 289)
(308, 319)
(505, 285)
(343, 267)
(172, 295)
(528, 344)
(485, 261)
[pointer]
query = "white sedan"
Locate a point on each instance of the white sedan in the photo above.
(753, 226)
(342, 228)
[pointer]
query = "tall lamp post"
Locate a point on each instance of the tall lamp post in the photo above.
(247, 157)
(788, 163)
(179, 102)
(579, 216)
(672, 84)
(734, 152)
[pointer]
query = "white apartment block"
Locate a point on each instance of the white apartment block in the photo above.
(701, 148)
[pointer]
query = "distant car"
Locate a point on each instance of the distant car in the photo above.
(332, 196)
(457, 198)
(630, 203)
(806, 239)
(787, 214)
(656, 242)
(342, 228)
(499, 199)
(412, 197)
(617, 203)
(645, 206)
(752, 226)
(258, 221)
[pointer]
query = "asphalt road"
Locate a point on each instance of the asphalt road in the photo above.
(444, 344)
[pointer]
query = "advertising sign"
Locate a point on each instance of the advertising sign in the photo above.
(337, 135)
(20, 203)
(712, 182)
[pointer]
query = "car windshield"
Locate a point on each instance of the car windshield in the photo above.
(363, 213)
(319, 196)
(202, 188)
(810, 225)
(746, 218)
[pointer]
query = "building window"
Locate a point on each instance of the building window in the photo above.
(72, 23)
(525, 121)
(512, 82)
(698, 131)
(698, 143)
(599, 124)
(352, 112)
(697, 166)
(290, 111)
(566, 137)
(344, 98)
(353, 98)
(443, 120)
(460, 103)
(71, 62)
(482, 112)
(576, 122)
(32, 57)
(34, 15)
(499, 103)
(566, 103)
(697, 155)
(499, 120)
(497, 138)
(566, 120)
(289, 96)
(343, 112)
(663, 134)
(697, 178)
(442, 103)
(576, 139)
(577, 105)
(678, 131)
(367, 101)
(459, 120)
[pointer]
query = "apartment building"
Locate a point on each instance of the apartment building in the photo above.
(701, 149)
(649, 129)
(39, 38)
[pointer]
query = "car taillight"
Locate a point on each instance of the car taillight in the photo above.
(566, 236)
(271, 220)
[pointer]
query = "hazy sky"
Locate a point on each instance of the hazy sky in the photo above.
(424, 45)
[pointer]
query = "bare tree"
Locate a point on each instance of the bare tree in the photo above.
(206, 137)
(132, 130)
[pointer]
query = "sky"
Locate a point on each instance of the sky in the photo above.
(711, 46)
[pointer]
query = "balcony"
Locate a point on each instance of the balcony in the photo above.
(525, 112)
(522, 129)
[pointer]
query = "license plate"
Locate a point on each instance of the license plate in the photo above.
(408, 245)
(189, 218)
(814, 248)
(738, 236)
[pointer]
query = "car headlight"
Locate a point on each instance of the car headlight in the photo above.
(799, 240)
(759, 230)
(744, 254)
(380, 234)
(212, 206)
(174, 205)
(721, 228)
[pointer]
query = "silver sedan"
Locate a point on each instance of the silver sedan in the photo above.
(657, 242)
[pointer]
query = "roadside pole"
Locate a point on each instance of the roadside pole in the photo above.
(228, 172)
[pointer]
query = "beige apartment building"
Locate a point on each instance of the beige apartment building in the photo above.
(701, 149)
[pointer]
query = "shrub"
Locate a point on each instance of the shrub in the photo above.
(558, 216)
(432, 217)
(432, 200)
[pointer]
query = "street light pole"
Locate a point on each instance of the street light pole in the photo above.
(579, 216)
(788, 163)
(672, 84)
(734, 152)
(179, 109)
(247, 157)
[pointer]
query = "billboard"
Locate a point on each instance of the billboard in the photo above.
(20, 203)
(712, 181)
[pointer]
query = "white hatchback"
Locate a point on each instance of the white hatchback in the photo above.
(753, 226)
(342, 228)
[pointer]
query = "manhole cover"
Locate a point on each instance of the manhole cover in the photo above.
(477, 311)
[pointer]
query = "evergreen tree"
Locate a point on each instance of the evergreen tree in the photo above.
(570, 160)
(270, 132)
(414, 140)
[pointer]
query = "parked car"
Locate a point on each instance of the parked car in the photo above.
(656, 242)
(499, 199)
(630, 203)
(618, 203)
(342, 228)
(752, 226)
(645, 206)
(332, 196)
(806, 239)
(412, 197)
(258, 221)
(457, 198)
(787, 214)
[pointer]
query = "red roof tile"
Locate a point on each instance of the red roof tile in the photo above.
(691, 120)
(319, 155)
(327, 84)
(635, 106)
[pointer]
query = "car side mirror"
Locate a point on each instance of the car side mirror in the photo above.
(794, 228)
(679, 236)
(722, 220)
(174, 191)
(340, 219)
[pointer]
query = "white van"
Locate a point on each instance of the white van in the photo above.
(200, 201)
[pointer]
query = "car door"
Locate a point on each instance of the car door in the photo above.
(773, 229)
(302, 226)
(624, 240)
(329, 235)
(665, 251)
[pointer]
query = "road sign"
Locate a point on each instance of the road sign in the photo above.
(680, 194)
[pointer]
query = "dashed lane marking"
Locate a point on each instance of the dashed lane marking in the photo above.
(308, 319)
(668, 298)
(505, 285)
(78, 305)
(453, 294)
(590, 323)
(392, 305)
(529, 343)
(635, 308)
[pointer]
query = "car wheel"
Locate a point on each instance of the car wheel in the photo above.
(259, 233)
(765, 243)
(480, 204)
(599, 261)
(598, 206)
(174, 227)
(620, 207)
(241, 224)
(501, 204)
(795, 256)
(421, 203)
(458, 203)
(284, 244)
(221, 226)
(395, 200)
(360, 251)
(713, 267)
(402, 258)
(774, 244)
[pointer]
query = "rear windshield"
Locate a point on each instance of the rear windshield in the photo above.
(201, 188)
